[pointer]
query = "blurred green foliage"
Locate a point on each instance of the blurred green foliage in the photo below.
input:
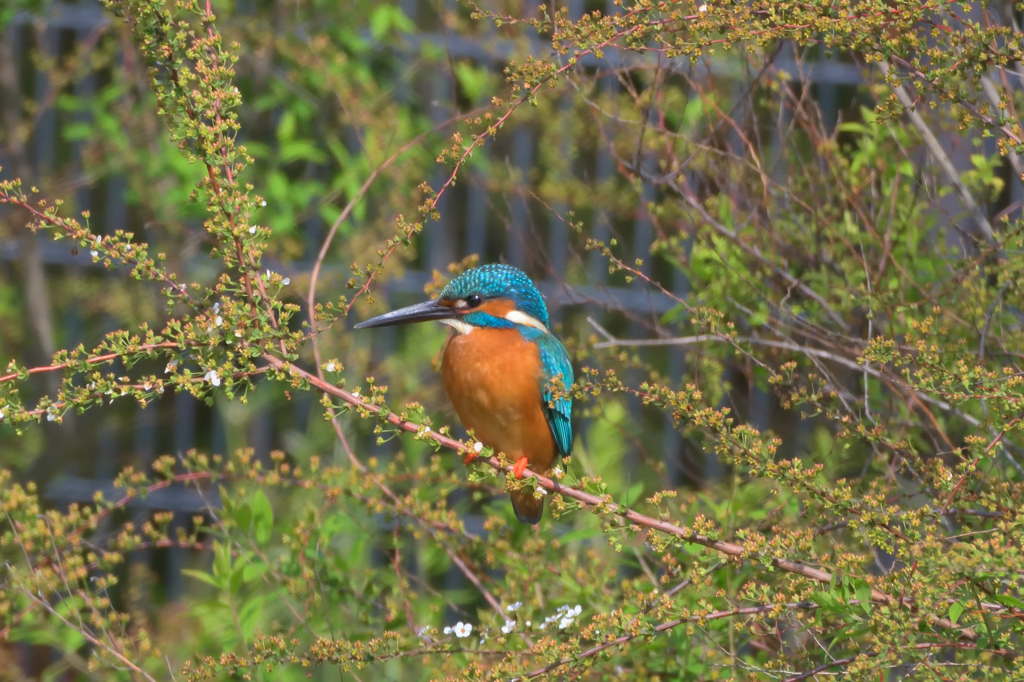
(840, 379)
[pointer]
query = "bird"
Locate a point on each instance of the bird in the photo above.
(507, 376)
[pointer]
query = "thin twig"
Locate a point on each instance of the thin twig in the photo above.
(603, 503)
(936, 150)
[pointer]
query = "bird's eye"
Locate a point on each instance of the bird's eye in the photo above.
(473, 301)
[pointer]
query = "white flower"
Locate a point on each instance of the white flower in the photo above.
(269, 274)
(577, 610)
(702, 9)
(564, 623)
(448, 631)
(510, 607)
(355, 393)
(286, 281)
(263, 203)
(542, 491)
(330, 366)
(508, 626)
(52, 413)
(252, 230)
(212, 377)
(219, 321)
(463, 630)
(3, 413)
(94, 253)
(528, 623)
(477, 447)
(238, 333)
(556, 472)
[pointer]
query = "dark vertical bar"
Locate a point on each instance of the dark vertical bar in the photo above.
(438, 240)
(778, 160)
(558, 238)
(219, 441)
(261, 433)
(476, 216)
(145, 451)
(174, 581)
(85, 89)
(106, 448)
(597, 267)
(117, 209)
(519, 233)
(44, 137)
(1016, 194)
(185, 406)
(184, 438)
(828, 97)
(672, 439)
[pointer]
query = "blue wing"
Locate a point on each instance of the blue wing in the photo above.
(558, 410)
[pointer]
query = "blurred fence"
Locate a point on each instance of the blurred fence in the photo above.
(539, 243)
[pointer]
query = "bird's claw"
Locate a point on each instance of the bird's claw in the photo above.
(470, 456)
(519, 467)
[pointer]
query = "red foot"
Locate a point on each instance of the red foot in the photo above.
(519, 467)
(470, 456)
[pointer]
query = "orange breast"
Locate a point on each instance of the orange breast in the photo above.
(493, 378)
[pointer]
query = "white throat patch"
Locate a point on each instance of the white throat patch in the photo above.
(519, 317)
(459, 326)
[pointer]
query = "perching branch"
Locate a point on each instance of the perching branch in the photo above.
(605, 504)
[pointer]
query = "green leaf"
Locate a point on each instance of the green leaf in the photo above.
(243, 516)
(633, 494)
(237, 578)
(248, 615)
(262, 517)
(253, 571)
(955, 609)
(1007, 600)
(227, 503)
(301, 150)
(388, 18)
(286, 127)
(221, 563)
(862, 590)
(201, 576)
(473, 80)
(825, 600)
(852, 633)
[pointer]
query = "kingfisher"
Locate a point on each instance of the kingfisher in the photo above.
(507, 376)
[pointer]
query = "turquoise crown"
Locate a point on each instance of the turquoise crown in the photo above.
(499, 281)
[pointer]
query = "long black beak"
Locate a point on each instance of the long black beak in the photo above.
(421, 312)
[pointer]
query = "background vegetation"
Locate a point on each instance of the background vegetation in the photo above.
(784, 244)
